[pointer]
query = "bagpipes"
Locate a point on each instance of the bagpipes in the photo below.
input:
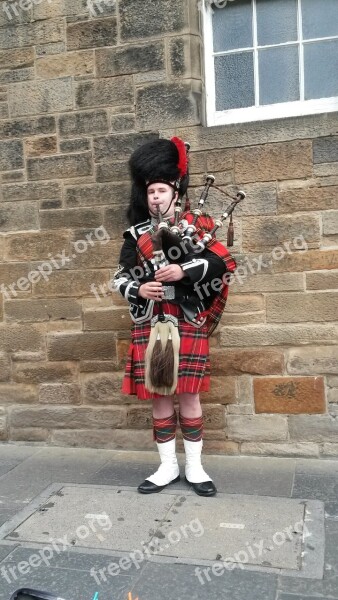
(188, 237)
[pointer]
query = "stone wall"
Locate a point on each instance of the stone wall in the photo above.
(81, 86)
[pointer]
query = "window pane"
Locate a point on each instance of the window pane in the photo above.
(321, 69)
(278, 74)
(232, 26)
(320, 18)
(276, 21)
(234, 75)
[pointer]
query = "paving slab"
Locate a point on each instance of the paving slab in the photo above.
(315, 485)
(243, 529)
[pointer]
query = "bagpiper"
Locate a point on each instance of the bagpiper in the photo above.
(173, 306)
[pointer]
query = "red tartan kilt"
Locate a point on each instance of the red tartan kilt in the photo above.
(194, 362)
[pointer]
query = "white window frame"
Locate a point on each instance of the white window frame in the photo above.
(256, 113)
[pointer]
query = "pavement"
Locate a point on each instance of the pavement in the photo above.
(72, 523)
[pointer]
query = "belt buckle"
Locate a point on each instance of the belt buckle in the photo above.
(169, 292)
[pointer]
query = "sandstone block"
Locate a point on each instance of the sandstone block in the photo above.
(117, 439)
(122, 348)
(288, 160)
(185, 56)
(43, 372)
(243, 318)
(312, 260)
(325, 150)
(107, 318)
(330, 449)
(305, 199)
(70, 283)
(25, 127)
(17, 58)
(289, 395)
(84, 122)
(115, 147)
(67, 417)
(12, 273)
(16, 338)
(325, 169)
(314, 360)
(92, 34)
(30, 33)
(29, 434)
(322, 281)
(244, 282)
(3, 428)
(95, 194)
(222, 391)
(40, 146)
(16, 75)
(77, 145)
(330, 222)
(21, 217)
(4, 114)
(104, 389)
(306, 449)
(53, 48)
(121, 123)
(313, 428)
(238, 303)
(97, 366)
(279, 335)
(131, 59)
(60, 393)
(178, 106)
(256, 362)
(18, 192)
(115, 222)
(5, 367)
(66, 166)
(11, 155)
(295, 308)
(139, 417)
(170, 17)
(240, 409)
(100, 92)
(11, 393)
(35, 245)
(264, 428)
(260, 233)
(82, 346)
(41, 97)
(65, 65)
(70, 218)
(31, 310)
(214, 416)
(113, 171)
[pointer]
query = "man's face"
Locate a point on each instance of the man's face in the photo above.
(163, 196)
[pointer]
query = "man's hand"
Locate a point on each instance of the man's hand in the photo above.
(169, 273)
(151, 291)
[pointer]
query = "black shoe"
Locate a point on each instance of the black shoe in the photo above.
(148, 487)
(205, 488)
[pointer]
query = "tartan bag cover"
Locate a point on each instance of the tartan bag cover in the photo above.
(204, 224)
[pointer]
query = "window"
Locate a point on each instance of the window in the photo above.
(267, 59)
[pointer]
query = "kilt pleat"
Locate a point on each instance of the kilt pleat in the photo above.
(194, 362)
